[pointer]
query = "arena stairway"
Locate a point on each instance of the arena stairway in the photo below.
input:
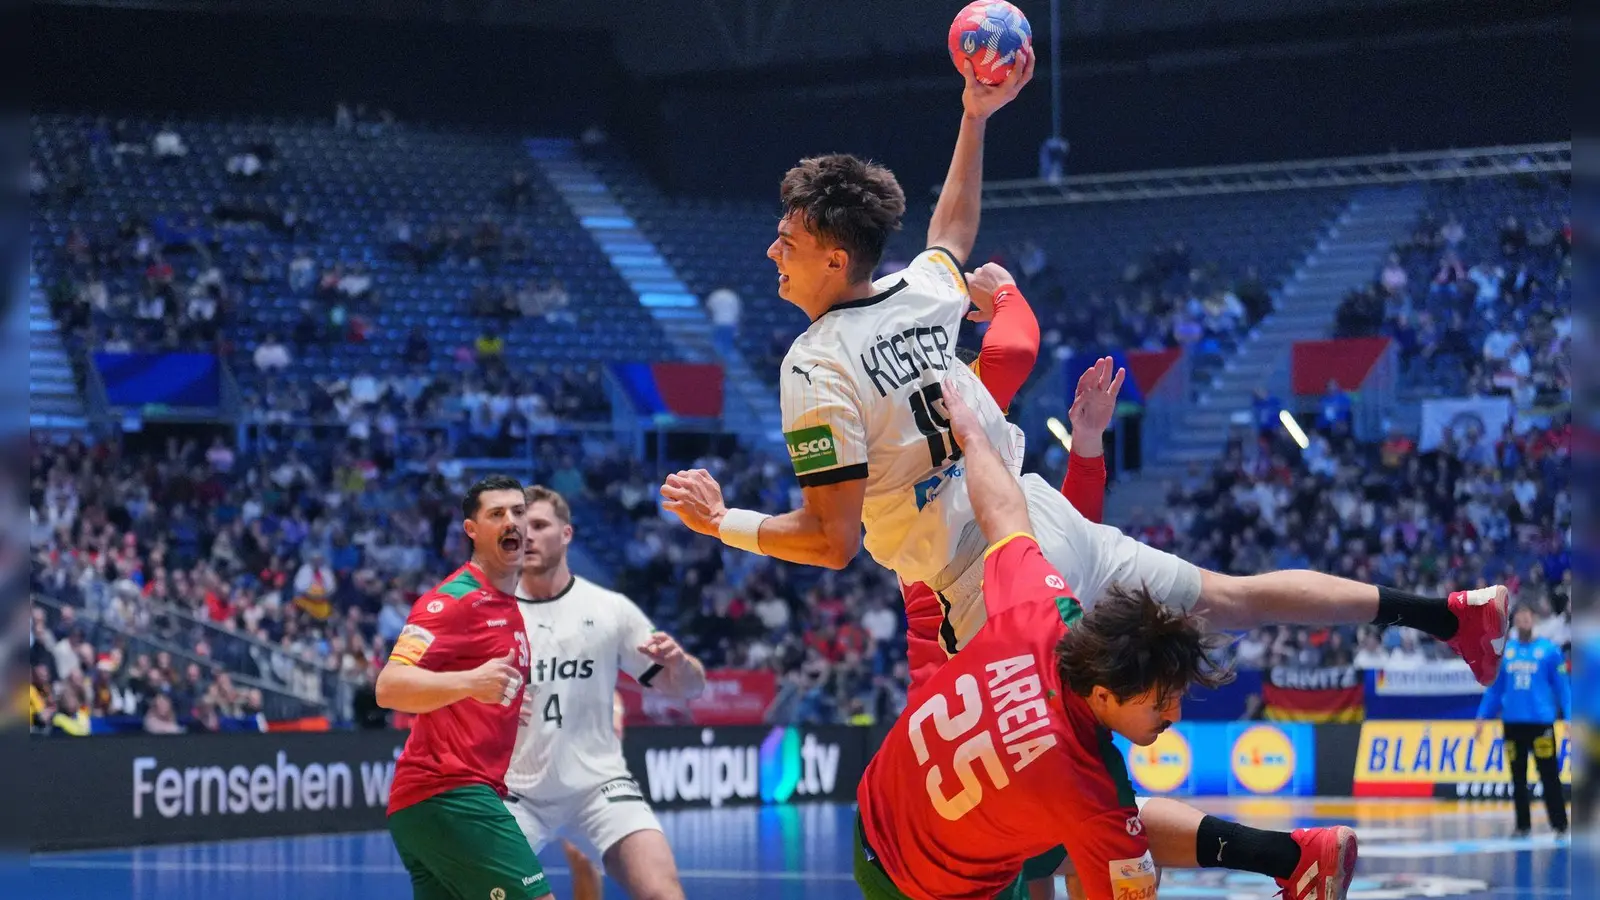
(54, 402)
(1347, 255)
(750, 411)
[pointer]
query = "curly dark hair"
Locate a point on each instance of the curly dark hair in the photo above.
(1131, 644)
(848, 201)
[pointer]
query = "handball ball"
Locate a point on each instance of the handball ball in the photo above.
(989, 32)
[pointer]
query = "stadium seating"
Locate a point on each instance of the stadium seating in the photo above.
(715, 243)
(347, 187)
(722, 603)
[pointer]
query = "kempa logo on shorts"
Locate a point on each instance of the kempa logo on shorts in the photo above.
(497, 894)
(531, 880)
(811, 448)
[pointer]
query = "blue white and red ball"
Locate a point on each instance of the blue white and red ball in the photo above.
(990, 33)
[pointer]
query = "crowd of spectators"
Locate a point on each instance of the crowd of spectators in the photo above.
(189, 277)
(1165, 299)
(1474, 511)
(1477, 313)
(202, 583)
(293, 569)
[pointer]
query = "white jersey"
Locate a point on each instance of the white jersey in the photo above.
(577, 640)
(862, 398)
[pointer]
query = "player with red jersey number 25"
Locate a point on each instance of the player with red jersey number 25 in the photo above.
(1007, 750)
(461, 665)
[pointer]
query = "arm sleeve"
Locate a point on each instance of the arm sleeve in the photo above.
(1489, 706)
(822, 422)
(432, 620)
(1085, 485)
(633, 629)
(1010, 347)
(1016, 572)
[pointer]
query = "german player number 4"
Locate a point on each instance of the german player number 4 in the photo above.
(927, 407)
(978, 748)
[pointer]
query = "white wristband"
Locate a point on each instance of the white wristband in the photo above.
(741, 529)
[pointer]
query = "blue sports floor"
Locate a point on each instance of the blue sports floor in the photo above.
(1408, 849)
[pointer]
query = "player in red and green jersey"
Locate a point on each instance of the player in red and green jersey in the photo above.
(1010, 349)
(1006, 751)
(461, 664)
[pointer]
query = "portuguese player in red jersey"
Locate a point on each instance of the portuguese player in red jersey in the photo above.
(1006, 751)
(461, 664)
(1010, 349)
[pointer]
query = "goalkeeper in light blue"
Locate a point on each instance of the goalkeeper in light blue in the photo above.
(1530, 694)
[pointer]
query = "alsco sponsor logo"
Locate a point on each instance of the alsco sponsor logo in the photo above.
(811, 448)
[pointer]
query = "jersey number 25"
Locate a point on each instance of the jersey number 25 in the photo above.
(978, 748)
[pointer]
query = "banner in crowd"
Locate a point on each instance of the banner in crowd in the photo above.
(117, 791)
(731, 697)
(1301, 694)
(680, 767)
(1348, 361)
(160, 379)
(1442, 690)
(1426, 758)
(688, 390)
(1488, 415)
(1233, 759)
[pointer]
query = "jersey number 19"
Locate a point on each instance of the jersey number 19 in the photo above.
(927, 409)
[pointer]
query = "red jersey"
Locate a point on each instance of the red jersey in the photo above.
(995, 762)
(1010, 348)
(459, 625)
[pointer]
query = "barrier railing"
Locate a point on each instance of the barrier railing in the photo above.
(1352, 171)
(279, 701)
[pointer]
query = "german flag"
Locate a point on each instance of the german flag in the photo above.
(1314, 695)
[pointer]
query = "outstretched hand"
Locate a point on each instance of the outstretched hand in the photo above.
(983, 100)
(1093, 407)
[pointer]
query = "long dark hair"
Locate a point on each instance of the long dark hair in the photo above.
(1131, 644)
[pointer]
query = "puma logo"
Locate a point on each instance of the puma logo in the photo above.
(1220, 844)
(803, 373)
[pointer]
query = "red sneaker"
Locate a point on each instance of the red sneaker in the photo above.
(1482, 632)
(1327, 864)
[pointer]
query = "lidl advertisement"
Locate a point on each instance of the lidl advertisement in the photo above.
(1441, 758)
(1234, 758)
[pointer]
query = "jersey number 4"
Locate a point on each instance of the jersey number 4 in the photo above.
(552, 709)
(976, 749)
(927, 407)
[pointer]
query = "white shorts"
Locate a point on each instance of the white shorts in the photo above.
(604, 815)
(1089, 556)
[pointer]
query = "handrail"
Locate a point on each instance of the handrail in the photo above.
(1349, 171)
(285, 703)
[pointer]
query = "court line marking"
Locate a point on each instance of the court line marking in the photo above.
(356, 868)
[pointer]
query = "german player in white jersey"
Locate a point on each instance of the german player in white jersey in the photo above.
(567, 771)
(864, 417)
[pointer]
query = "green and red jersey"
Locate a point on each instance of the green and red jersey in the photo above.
(458, 626)
(994, 761)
